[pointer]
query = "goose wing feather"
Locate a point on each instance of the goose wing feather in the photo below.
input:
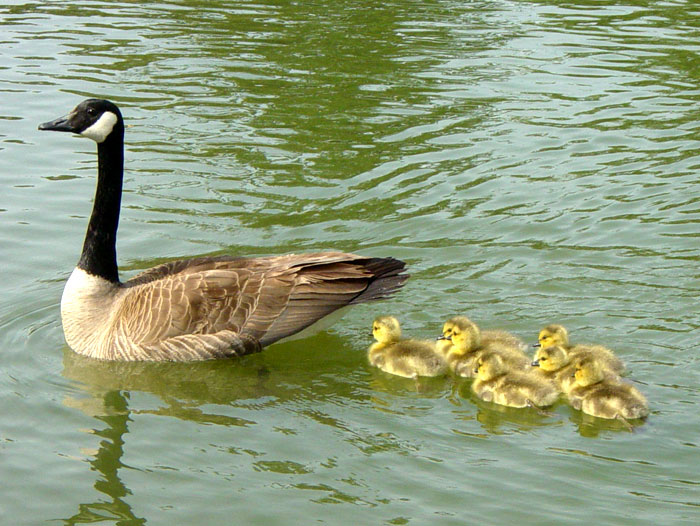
(264, 299)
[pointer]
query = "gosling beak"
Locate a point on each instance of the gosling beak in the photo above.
(443, 337)
(536, 363)
(538, 344)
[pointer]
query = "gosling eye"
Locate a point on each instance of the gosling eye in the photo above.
(543, 359)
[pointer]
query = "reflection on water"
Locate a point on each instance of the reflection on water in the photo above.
(181, 386)
(106, 463)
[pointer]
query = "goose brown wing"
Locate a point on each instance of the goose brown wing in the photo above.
(327, 281)
(263, 298)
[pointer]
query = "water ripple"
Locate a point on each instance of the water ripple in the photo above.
(532, 161)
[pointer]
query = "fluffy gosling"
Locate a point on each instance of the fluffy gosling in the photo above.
(557, 335)
(496, 383)
(558, 364)
(403, 357)
(462, 342)
(605, 396)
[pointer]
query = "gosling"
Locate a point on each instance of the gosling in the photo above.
(487, 337)
(557, 364)
(403, 357)
(603, 396)
(462, 342)
(557, 335)
(496, 383)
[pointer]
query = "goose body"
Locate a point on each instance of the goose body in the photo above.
(496, 382)
(462, 343)
(403, 357)
(201, 308)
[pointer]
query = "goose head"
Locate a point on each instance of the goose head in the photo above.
(553, 335)
(96, 119)
(386, 329)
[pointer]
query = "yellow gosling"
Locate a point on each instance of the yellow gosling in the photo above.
(557, 335)
(403, 357)
(466, 342)
(496, 383)
(555, 364)
(598, 394)
(558, 364)
(487, 337)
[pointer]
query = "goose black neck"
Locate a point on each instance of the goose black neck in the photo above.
(99, 256)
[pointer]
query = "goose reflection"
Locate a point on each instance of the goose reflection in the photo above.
(105, 394)
(107, 462)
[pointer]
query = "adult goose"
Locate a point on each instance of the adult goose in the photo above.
(194, 309)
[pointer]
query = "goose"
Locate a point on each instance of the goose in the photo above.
(557, 335)
(403, 357)
(496, 382)
(201, 308)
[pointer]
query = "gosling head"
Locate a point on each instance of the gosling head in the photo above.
(489, 366)
(588, 372)
(465, 334)
(386, 329)
(553, 335)
(96, 119)
(551, 358)
(447, 328)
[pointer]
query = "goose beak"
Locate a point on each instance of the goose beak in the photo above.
(536, 363)
(537, 344)
(61, 124)
(448, 338)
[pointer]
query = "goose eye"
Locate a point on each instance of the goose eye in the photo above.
(543, 359)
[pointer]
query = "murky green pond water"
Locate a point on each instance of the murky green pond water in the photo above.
(531, 161)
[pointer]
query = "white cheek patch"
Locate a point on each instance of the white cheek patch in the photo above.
(99, 131)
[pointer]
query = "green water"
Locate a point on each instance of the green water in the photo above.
(531, 162)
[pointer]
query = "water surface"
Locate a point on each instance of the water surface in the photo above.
(530, 161)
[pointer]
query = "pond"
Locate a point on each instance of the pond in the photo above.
(531, 161)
